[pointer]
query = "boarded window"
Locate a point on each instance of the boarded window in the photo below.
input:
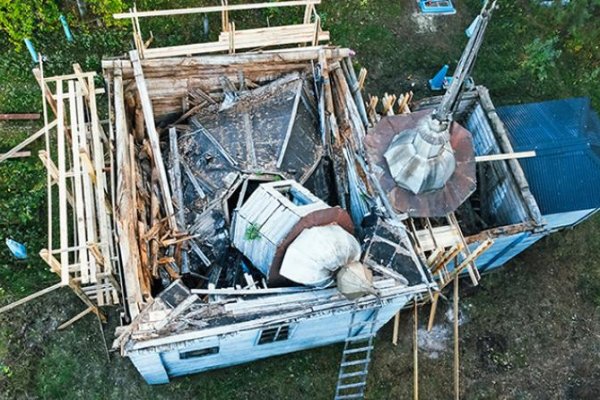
(276, 334)
(198, 353)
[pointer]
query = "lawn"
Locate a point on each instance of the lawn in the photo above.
(532, 329)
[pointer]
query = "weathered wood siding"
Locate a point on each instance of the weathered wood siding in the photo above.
(242, 347)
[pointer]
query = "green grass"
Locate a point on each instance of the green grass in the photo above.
(546, 302)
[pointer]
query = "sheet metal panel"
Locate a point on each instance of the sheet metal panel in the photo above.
(565, 175)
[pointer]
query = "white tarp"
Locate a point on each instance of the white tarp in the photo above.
(317, 253)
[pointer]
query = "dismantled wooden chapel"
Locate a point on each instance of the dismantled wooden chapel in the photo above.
(244, 205)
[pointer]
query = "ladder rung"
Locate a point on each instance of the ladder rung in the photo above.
(359, 338)
(350, 396)
(357, 362)
(358, 350)
(351, 385)
(352, 374)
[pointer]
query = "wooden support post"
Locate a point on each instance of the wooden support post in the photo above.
(434, 303)
(456, 343)
(416, 351)
(396, 329)
(62, 185)
(78, 205)
(87, 180)
(101, 187)
(154, 139)
(45, 89)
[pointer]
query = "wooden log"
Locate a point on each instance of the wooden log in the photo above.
(30, 116)
(15, 150)
(154, 139)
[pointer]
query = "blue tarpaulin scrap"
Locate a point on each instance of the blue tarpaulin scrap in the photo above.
(565, 174)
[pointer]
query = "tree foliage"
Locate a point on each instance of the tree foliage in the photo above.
(21, 19)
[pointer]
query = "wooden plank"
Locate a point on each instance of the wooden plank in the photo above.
(31, 297)
(78, 189)
(126, 218)
(290, 127)
(415, 351)
(27, 141)
(62, 186)
(505, 156)
(45, 89)
(456, 341)
(212, 9)
(396, 329)
(101, 188)
(75, 318)
(19, 154)
(76, 75)
(273, 38)
(30, 116)
(176, 184)
(154, 139)
(87, 184)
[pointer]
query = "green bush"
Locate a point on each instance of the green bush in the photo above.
(21, 19)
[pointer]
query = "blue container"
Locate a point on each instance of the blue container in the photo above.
(438, 7)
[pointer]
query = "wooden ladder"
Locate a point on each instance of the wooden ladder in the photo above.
(354, 367)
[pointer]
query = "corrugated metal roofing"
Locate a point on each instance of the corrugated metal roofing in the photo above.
(565, 175)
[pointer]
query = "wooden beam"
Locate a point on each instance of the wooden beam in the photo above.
(290, 124)
(19, 154)
(31, 297)
(87, 180)
(27, 141)
(62, 185)
(154, 139)
(456, 342)
(78, 189)
(434, 303)
(19, 116)
(75, 318)
(506, 156)
(126, 217)
(396, 329)
(212, 9)
(415, 351)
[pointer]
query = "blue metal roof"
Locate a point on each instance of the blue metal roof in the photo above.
(565, 175)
